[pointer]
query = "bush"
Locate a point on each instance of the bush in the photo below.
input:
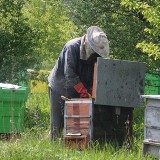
(37, 111)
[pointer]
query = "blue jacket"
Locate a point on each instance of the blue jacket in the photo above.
(70, 70)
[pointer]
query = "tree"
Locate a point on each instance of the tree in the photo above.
(150, 12)
(16, 42)
(124, 27)
(31, 32)
(54, 28)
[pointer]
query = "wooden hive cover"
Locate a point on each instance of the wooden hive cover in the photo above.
(118, 82)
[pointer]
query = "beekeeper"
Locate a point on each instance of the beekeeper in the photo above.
(72, 75)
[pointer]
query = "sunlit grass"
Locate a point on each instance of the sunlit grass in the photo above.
(36, 145)
(34, 142)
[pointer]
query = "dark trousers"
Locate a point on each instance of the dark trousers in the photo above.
(56, 114)
(57, 110)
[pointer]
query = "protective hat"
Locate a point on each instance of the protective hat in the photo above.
(98, 41)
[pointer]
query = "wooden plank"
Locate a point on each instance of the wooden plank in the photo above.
(79, 142)
(151, 149)
(83, 131)
(94, 81)
(152, 116)
(151, 143)
(77, 109)
(153, 103)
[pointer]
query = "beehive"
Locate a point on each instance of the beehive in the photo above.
(78, 124)
(151, 143)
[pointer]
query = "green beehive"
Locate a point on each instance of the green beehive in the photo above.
(152, 86)
(12, 108)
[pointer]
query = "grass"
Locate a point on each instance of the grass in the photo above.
(36, 145)
(34, 142)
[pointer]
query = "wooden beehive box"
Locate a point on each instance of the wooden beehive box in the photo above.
(151, 143)
(78, 126)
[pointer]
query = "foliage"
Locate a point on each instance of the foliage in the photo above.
(38, 76)
(138, 119)
(54, 28)
(17, 40)
(151, 14)
(37, 108)
(124, 27)
(36, 117)
(31, 32)
(36, 145)
(114, 20)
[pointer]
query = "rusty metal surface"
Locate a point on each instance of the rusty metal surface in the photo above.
(119, 82)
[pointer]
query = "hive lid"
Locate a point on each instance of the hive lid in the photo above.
(151, 96)
(9, 86)
(119, 82)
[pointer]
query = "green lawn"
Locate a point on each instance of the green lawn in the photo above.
(35, 145)
(34, 142)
